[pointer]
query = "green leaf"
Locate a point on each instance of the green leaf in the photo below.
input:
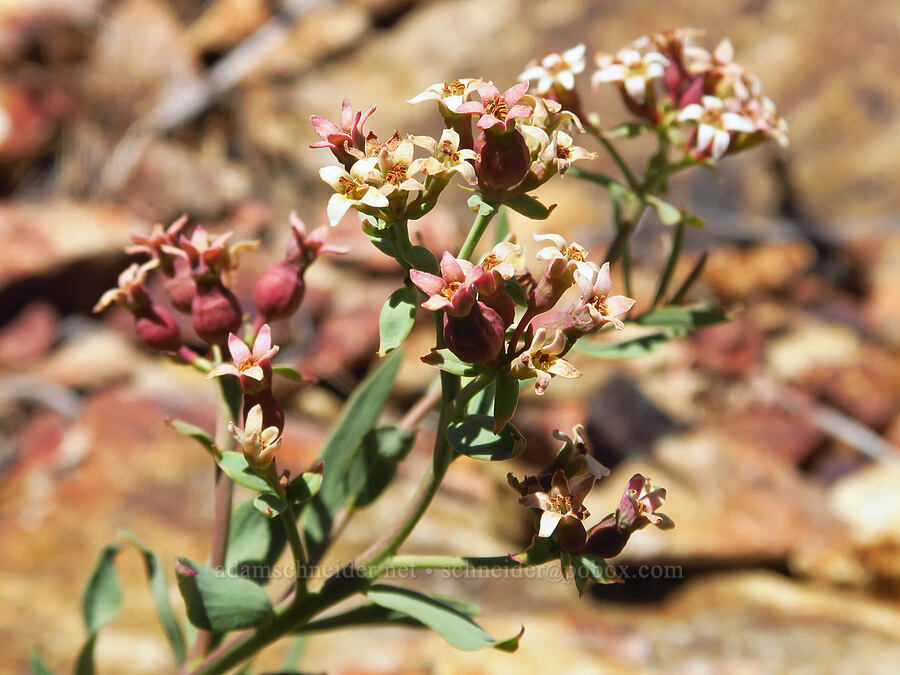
(101, 602)
(505, 400)
(682, 318)
(451, 624)
(449, 362)
(474, 437)
(235, 466)
(254, 543)
(398, 316)
(102, 598)
(269, 505)
(627, 130)
(421, 258)
(305, 486)
(668, 214)
(375, 230)
(220, 603)
(516, 292)
(159, 591)
(530, 207)
(197, 433)
(374, 466)
(359, 416)
(375, 615)
(590, 568)
(629, 349)
(36, 665)
(481, 403)
(289, 373)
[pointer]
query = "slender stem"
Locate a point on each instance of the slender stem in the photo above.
(617, 158)
(695, 273)
(476, 231)
(448, 562)
(298, 550)
(677, 242)
(594, 177)
(420, 408)
(470, 390)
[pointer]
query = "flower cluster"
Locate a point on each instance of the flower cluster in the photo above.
(480, 310)
(195, 273)
(558, 493)
(505, 144)
(671, 81)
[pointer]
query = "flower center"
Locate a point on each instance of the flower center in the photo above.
(600, 303)
(454, 88)
(450, 289)
(396, 174)
(498, 107)
(351, 188)
(575, 252)
(563, 152)
(447, 149)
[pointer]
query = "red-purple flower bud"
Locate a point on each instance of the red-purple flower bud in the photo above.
(504, 159)
(606, 540)
(558, 278)
(216, 313)
(273, 415)
(157, 330)
(181, 286)
(492, 293)
(476, 337)
(279, 291)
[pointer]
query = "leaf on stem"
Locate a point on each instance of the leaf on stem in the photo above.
(627, 130)
(683, 318)
(269, 505)
(254, 543)
(530, 207)
(289, 373)
(475, 438)
(448, 622)
(669, 214)
(480, 206)
(374, 466)
(506, 400)
(628, 349)
(235, 466)
(101, 602)
(220, 603)
(197, 433)
(398, 316)
(449, 362)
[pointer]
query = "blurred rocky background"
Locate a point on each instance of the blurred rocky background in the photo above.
(776, 434)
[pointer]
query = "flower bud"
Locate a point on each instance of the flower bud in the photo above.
(504, 159)
(606, 540)
(570, 534)
(272, 414)
(558, 278)
(216, 313)
(492, 293)
(476, 337)
(181, 286)
(157, 330)
(279, 291)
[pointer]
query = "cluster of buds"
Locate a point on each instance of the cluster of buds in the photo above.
(522, 141)
(479, 309)
(558, 493)
(669, 80)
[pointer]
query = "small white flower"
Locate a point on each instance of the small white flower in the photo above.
(562, 151)
(542, 360)
(449, 95)
(632, 69)
(351, 189)
(259, 445)
(446, 156)
(715, 124)
(574, 254)
(558, 68)
(603, 308)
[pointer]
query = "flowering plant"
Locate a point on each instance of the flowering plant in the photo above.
(500, 322)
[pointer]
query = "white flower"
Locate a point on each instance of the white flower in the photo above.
(506, 257)
(595, 289)
(396, 167)
(715, 124)
(555, 68)
(351, 189)
(574, 254)
(446, 156)
(259, 445)
(633, 70)
(542, 360)
(562, 151)
(449, 95)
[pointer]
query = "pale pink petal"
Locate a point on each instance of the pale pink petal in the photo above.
(430, 284)
(603, 282)
(223, 369)
(470, 107)
(705, 135)
(263, 341)
(692, 112)
(451, 269)
(240, 352)
(549, 521)
(519, 112)
(515, 92)
(488, 121)
(618, 304)
(636, 88)
(254, 373)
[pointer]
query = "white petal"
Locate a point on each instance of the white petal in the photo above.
(332, 175)
(612, 73)
(574, 54)
(721, 139)
(556, 239)
(693, 112)
(549, 521)
(636, 88)
(735, 122)
(705, 136)
(566, 79)
(337, 208)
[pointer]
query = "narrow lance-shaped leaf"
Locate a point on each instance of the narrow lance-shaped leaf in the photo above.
(254, 543)
(451, 624)
(374, 466)
(505, 401)
(359, 416)
(398, 316)
(235, 466)
(100, 604)
(159, 590)
(475, 437)
(684, 318)
(197, 433)
(530, 207)
(218, 602)
(627, 349)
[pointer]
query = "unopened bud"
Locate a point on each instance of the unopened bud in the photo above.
(504, 159)
(279, 291)
(216, 313)
(476, 337)
(157, 330)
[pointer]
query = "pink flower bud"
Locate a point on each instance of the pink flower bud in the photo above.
(476, 337)
(504, 159)
(272, 414)
(216, 313)
(492, 293)
(157, 330)
(570, 534)
(606, 540)
(181, 286)
(279, 291)
(558, 278)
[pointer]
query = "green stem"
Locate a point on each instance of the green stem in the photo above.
(470, 390)
(298, 550)
(617, 158)
(594, 177)
(677, 242)
(448, 562)
(477, 230)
